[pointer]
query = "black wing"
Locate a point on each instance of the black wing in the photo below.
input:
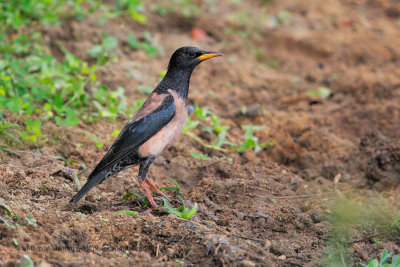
(132, 136)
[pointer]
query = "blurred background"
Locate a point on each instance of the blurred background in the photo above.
(291, 151)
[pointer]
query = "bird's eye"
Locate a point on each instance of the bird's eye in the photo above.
(192, 54)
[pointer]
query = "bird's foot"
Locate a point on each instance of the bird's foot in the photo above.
(158, 191)
(145, 212)
(150, 197)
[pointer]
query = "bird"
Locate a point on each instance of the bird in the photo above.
(154, 127)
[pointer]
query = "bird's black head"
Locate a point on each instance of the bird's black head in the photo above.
(180, 67)
(189, 57)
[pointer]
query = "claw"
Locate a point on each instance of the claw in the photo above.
(153, 204)
(148, 194)
(146, 211)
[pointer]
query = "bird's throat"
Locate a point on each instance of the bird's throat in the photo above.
(177, 80)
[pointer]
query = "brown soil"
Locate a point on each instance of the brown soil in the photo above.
(248, 214)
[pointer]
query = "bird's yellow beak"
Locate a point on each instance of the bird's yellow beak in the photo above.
(210, 55)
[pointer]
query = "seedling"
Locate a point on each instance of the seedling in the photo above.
(200, 156)
(221, 141)
(129, 212)
(9, 151)
(106, 47)
(33, 132)
(131, 195)
(6, 132)
(7, 221)
(26, 261)
(251, 141)
(98, 143)
(176, 188)
(31, 221)
(43, 187)
(322, 92)
(81, 214)
(384, 260)
(181, 212)
(69, 162)
(38, 87)
(146, 45)
(190, 125)
(188, 8)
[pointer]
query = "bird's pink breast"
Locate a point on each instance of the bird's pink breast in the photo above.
(168, 135)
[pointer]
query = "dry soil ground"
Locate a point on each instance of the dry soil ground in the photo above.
(269, 208)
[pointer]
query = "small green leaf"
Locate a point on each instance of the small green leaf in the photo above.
(102, 60)
(110, 42)
(138, 17)
(200, 156)
(82, 214)
(322, 92)
(26, 261)
(132, 42)
(96, 51)
(192, 211)
(116, 132)
(3, 206)
(99, 144)
(129, 195)
(129, 212)
(7, 222)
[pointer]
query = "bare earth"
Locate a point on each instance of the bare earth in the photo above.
(248, 213)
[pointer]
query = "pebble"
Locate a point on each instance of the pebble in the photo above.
(282, 257)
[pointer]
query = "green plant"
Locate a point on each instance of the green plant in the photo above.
(146, 45)
(129, 212)
(103, 50)
(251, 141)
(7, 221)
(5, 131)
(36, 86)
(322, 92)
(354, 216)
(133, 8)
(26, 261)
(31, 221)
(188, 8)
(200, 156)
(220, 131)
(181, 212)
(17, 13)
(385, 258)
(69, 162)
(33, 133)
(81, 214)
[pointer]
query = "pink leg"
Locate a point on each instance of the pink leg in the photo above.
(148, 194)
(155, 188)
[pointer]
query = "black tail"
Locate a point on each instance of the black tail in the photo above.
(92, 182)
